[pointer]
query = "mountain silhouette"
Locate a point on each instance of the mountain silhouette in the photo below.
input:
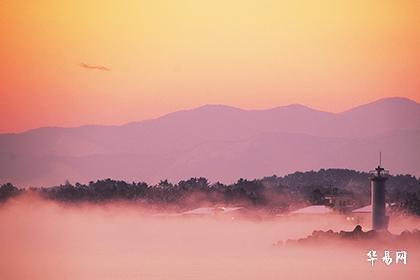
(219, 142)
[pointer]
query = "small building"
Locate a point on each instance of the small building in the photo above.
(341, 203)
(363, 214)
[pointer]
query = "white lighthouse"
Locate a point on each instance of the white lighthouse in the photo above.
(378, 178)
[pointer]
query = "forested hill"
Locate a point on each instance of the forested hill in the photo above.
(271, 193)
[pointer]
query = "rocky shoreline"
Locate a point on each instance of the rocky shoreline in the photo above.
(356, 236)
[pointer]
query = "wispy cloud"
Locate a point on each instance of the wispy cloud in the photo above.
(94, 67)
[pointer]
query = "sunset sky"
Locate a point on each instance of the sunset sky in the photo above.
(69, 63)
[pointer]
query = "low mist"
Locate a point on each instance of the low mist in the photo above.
(46, 240)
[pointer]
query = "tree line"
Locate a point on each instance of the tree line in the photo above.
(274, 194)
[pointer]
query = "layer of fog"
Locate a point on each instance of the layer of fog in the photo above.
(44, 240)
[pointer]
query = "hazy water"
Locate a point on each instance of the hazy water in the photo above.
(42, 240)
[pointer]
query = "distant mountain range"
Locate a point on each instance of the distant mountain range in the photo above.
(219, 142)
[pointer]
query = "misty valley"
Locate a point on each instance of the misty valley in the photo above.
(195, 229)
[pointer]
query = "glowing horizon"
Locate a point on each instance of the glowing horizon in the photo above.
(98, 62)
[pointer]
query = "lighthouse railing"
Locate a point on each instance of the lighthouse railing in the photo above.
(375, 173)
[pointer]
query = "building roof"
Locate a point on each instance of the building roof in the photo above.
(314, 209)
(210, 210)
(366, 209)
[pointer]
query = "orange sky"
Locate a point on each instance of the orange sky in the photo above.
(170, 55)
